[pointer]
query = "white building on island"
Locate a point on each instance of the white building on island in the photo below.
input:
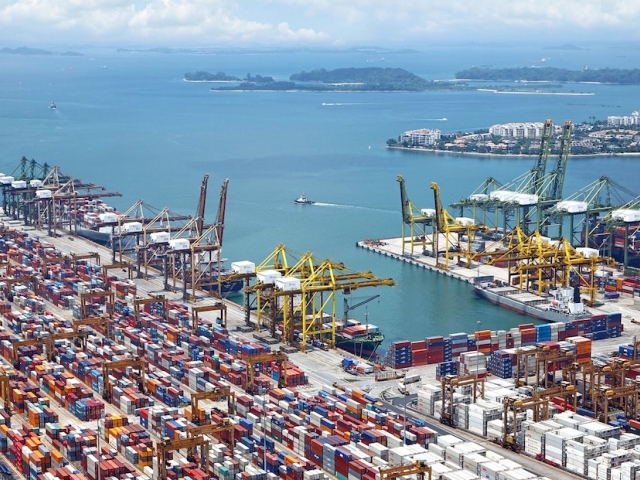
(421, 137)
(624, 121)
(519, 130)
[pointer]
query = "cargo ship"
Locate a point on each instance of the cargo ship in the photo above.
(358, 338)
(563, 305)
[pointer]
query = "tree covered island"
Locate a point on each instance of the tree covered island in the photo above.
(370, 79)
(550, 74)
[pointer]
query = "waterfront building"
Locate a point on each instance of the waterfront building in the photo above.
(421, 137)
(626, 120)
(519, 130)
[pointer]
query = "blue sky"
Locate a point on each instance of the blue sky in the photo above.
(313, 23)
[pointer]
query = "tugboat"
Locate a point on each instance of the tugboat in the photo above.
(302, 200)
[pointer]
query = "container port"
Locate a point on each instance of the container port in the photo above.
(136, 366)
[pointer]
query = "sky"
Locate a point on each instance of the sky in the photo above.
(313, 23)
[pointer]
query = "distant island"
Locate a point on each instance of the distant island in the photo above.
(550, 74)
(370, 79)
(36, 51)
(203, 76)
(25, 51)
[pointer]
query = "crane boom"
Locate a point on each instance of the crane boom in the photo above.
(202, 203)
(348, 308)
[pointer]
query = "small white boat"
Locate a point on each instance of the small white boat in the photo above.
(302, 200)
(53, 106)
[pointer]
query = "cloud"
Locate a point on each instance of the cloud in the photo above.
(309, 22)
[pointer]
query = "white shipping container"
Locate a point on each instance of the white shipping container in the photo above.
(131, 227)
(159, 237)
(43, 193)
(179, 244)
(243, 266)
(288, 284)
(268, 276)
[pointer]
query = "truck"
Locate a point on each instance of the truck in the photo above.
(411, 378)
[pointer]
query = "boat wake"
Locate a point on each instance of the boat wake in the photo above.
(359, 207)
(325, 104)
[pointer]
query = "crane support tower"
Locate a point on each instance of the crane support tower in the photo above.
(417, 221)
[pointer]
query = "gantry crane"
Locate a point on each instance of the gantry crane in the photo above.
(449, 383)
(218, 306)
(124, 266)
(417, 222)
(624, 397)
(418, 468)
(279, 358)
(5, 391)
(158, 299)
(101, 321)
(48, 342)
(447, 225)
(217, 393)
(31, 280)
(89, 296)
(165, 446)
(77, 257)
(540, 408)
(563, 390)
(304, 306)
(134, 362)
(224, 426)
(547, 363)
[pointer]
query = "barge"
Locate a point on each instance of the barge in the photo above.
(564, 304)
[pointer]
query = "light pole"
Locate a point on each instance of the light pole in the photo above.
(264, 431)
(477, 347)
(404, 426)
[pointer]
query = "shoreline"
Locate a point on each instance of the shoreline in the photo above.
(509, 155)
(515, 92)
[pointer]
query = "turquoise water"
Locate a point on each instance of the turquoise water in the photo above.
(137, 128)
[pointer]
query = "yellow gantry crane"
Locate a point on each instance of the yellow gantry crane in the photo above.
(418, 468)
(416, 220)
(447, 225)
(307, 302)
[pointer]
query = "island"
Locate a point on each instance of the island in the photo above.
(370, 79)
(25, 51)
(204, 76)
(551, 74)
(593, 137)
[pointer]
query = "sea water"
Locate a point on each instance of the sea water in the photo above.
(137, 128)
